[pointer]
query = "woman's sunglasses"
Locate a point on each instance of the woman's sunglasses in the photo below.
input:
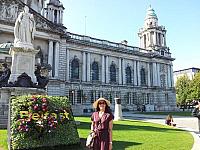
(101, 103)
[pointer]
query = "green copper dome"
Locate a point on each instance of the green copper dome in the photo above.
(151, 13)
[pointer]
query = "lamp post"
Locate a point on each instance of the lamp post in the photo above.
(73, 98)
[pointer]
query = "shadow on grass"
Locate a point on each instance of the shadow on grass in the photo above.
(122, 145)
(117, 145)
(86, 125)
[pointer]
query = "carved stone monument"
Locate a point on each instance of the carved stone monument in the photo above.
(22, 78)
(118, 110)
(23, 53)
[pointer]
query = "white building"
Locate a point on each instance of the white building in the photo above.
(190, 72)
(85, 68)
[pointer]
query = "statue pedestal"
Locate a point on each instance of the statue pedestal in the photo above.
(23, 60)
(118, 110)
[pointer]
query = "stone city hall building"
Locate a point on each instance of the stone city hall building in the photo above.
(85, 68)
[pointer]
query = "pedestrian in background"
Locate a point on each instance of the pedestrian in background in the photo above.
(169, 120)
(196, 113)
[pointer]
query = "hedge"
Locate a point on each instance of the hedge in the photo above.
(41, 121)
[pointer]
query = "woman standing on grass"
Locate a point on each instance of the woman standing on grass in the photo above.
(102, 124)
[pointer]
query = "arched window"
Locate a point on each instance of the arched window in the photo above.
(128, 75)
(95, 71)
(112, 73)
(143, 76)
(75, 69)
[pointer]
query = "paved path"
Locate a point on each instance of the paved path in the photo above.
(186, 123)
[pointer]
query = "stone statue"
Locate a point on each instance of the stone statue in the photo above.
(5, 75)
(41, 74)
(24, 29)
(3, 11)
(13, 9)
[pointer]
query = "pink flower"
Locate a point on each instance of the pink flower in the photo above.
(35, 107)
(44, 99)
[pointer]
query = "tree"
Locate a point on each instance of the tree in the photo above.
(182, 89)
(195, 87)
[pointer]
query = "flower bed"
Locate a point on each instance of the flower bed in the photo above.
(42, 121)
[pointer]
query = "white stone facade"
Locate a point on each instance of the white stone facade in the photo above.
(190, 72)
(85, 68)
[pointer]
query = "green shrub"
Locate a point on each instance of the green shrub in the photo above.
(42, 121)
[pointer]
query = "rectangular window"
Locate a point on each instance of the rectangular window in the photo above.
(91, 97)
(134, 98)
(110, 97)
(79, 96)
(127, 97)
(166, 98)
(148, 98)
(143, 98)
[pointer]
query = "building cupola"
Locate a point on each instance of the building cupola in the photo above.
(54, 11)
(151, 19)
(152, 36)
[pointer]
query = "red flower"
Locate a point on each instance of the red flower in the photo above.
(35, 107)
(44, 99)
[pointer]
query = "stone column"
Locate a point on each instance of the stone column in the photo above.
(172, 76)
(157, 38)
(50, 56)
(148, 75)
(135, 73)
(138, 73)
(120, 71)
(164, 39)
(61, 17)
(169, 76)
(107, 70)
(158, 74)
(84, 67)
(58, 16)
(57, 49)
(154, 38)
(53, 17)
(102, 69)
(67, 65)
(154, 74)
(161, 39)
(123, 72)
(88, 67)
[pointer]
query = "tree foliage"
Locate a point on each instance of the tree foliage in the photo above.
(182, 89)
(187, 90)
(195, 87)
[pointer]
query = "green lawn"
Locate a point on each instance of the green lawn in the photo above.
(3, 139)
(180, 113)
(135, 135)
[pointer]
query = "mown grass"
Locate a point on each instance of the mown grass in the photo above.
(180, 113)
(138, 135)
(3, 139)
(134, 135)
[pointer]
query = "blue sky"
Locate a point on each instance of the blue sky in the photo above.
(117, 20)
